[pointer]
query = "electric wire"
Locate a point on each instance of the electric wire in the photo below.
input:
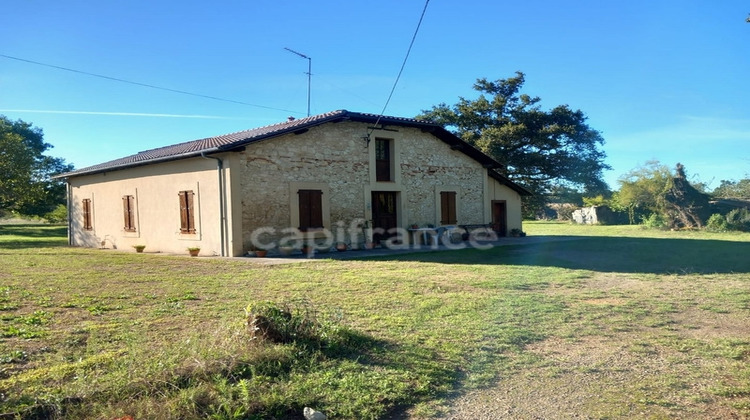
(116, 79)
(403, 64)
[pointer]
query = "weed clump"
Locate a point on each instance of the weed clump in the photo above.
(289, 323)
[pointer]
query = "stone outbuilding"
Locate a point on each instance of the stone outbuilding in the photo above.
(350, 176)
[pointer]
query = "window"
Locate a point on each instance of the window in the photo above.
(128, 209)
(187, 212)
(448, 208)
(310, 209)
(87, 214)
(383, 160)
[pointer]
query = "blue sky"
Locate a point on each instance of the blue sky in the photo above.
(666, 80)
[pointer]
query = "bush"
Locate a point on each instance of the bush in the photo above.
(739, 219)
(717, 223)
(58, 215)
(654, 221)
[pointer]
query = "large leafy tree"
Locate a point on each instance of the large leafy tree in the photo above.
(26, 184)
(733, 189)
(545, 150)
(643, 190)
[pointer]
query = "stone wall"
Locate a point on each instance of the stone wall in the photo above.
(429, 166)
(338, 157)
(332, 154)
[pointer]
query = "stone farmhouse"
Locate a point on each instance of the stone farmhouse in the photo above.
(368, 176)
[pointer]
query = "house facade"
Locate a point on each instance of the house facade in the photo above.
(339, 176)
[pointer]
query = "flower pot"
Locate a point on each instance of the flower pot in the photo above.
(340, 247)
(194, 252)
(261, 253)
(139, 248)
(286, 250)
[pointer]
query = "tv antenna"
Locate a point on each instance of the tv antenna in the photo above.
(309, 74)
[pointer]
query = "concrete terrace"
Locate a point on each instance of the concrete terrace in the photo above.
(297, 257)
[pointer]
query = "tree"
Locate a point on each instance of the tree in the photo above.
(542, 150)
(733, 189)
(26, 185)
(642, 190)
(653, 190)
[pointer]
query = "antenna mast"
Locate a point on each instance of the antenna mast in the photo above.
(309, 75)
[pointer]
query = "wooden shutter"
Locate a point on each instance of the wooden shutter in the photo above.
(187, 218)
(310, 209)
(87, 214)
(448, 208)
(128, 210)
(383, 160)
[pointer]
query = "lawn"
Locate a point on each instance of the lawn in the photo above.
(610, 321)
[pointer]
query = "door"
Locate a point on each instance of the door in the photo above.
(500, 218)
(384, 215)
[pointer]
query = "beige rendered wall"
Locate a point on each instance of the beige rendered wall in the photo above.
(157, 219)
(337, 159)
(499, 192)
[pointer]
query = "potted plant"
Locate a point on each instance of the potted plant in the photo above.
(515, 232)
(341, 246)
(308, 248)
(139, 248)
(261, 252)
(194, 250)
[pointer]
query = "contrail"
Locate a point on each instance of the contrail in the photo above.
(123, 114)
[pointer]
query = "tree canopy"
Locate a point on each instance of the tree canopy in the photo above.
(733, 189)
(26, 185)
(654, 190)
(540, 149)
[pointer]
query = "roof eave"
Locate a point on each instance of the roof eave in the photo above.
(129, 165)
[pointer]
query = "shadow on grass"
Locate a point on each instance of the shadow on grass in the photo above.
(606, 254)
(32, 236)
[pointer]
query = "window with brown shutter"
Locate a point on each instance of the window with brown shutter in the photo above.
(448, 208)
(187, 212)
(310, 209)
(87, 214)
(383, 160)
(128, 210)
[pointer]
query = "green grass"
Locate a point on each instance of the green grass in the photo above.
(101, 334)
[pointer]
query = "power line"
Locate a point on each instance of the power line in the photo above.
(398, 77)
(116, 79)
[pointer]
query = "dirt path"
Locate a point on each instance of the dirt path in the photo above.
(583, 380)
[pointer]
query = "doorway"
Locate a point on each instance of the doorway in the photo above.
(500, 218)
(384, 215)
